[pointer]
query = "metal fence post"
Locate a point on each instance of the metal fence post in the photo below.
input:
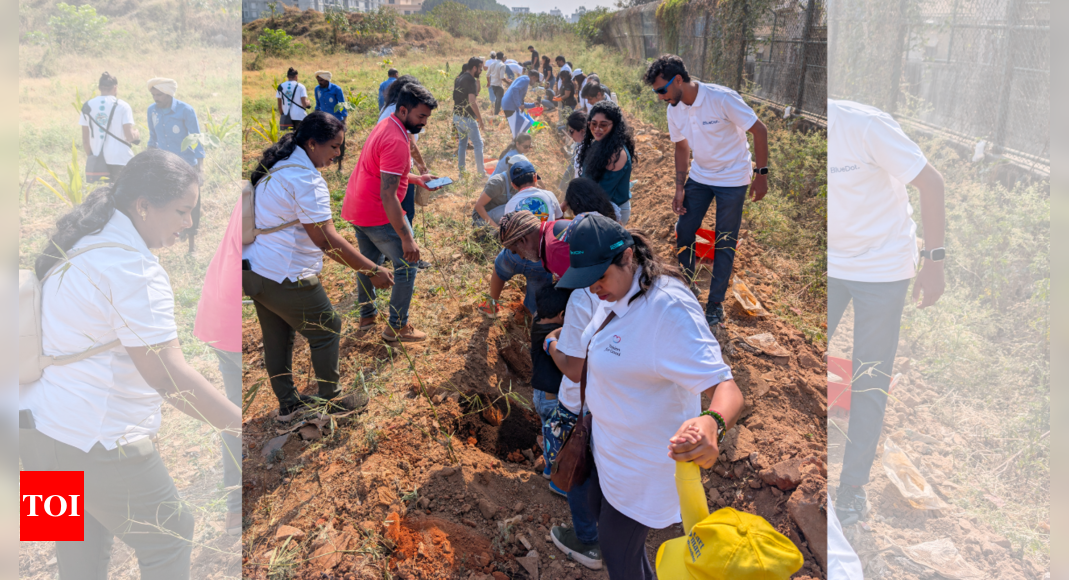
(809, 11)
(1007, 75)
(900, 52)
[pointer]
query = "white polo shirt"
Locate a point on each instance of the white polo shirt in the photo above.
(871, 232)
(562, 69)
(296, 91)
(289, 194)
(715, 128)
(106, 294)
(115, 153)
(645, 374)
(496, 71)
(581, 307)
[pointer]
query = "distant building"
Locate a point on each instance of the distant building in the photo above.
(254, 9)
(579, 12)
(556, 12)
(404, 6)
(521, 10)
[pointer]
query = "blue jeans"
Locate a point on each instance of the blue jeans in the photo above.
(230, 367)
(544, 407)
(697, 198)
(509, 264)
(468, 128)
(377, 243)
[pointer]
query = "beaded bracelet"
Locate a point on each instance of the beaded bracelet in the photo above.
(720, 423)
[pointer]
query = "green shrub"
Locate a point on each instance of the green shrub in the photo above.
(275, 43)
(593, 26)
(77, 29)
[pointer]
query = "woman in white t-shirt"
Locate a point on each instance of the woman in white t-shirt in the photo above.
(292, 100)
(650, 357)
(106, 114)
(100, 415)
(280, 269)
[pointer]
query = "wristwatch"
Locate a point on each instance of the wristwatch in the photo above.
(761, 171)
(936, 255)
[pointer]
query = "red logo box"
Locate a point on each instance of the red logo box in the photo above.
(53, 506)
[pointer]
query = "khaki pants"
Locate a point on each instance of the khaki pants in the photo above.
(129, 494)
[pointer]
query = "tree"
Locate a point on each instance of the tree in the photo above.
(490, 5)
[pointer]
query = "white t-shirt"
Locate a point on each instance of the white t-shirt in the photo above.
(540, 202)
(715, 128)
(106, 294)
(496, 71)
(562, 69)
(296, 91)
(115, 153)
(645, 374)
(581, 306)
(871, 234)
(843, 562)
(289, 194)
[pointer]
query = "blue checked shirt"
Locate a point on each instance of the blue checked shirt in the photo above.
(168, 127)
(328, 98)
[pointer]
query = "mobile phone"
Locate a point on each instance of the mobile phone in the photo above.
(436, 183)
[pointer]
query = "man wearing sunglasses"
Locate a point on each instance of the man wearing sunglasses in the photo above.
(711, 121)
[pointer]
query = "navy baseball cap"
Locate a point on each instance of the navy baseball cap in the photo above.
(519, 169)
(593, 242)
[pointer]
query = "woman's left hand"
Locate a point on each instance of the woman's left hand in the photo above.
(695, 441)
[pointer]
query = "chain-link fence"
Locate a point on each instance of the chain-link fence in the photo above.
(778, 56)
(973, 69)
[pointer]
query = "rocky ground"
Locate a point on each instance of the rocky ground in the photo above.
(433, 482)
(884, 540)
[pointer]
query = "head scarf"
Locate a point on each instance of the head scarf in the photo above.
(516, 225)
(167, 86)
(323, 74)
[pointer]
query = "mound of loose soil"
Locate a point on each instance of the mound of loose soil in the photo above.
(471, 479)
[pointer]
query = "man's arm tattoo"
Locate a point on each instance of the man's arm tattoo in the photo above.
(681, 178)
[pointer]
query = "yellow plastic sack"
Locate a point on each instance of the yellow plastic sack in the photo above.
(750, 304)
(910, 483)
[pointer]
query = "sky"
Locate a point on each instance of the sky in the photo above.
(565, 6)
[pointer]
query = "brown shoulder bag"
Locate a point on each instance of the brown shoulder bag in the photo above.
(574, 461)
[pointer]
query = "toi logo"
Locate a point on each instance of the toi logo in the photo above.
(616, 339)
(53, 506)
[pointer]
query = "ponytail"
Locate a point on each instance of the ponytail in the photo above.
(653, 266)
(154, 174)
(319, 127)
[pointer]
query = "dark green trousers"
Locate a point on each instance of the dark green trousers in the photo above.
(129, 494)
(285, 309)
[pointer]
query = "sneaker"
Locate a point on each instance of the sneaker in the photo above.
(406, 333)
(553, 487)
(565, 539)
(355, 401)
(714, 314)
(287, 414)
(548, 472)
(851, 504)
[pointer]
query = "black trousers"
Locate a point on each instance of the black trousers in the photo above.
(500, 92)
(877, 319)
(622, 539)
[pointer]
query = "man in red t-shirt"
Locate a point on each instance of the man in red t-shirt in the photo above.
(373, 205)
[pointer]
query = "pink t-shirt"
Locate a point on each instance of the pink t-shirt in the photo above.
(218, 321)
(386, 151)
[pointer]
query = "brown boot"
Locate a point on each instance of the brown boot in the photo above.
(404, 334)
(366, 324)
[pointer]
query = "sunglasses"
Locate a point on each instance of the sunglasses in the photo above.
(664, 89)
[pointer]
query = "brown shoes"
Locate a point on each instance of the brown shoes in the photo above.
(406, 333)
